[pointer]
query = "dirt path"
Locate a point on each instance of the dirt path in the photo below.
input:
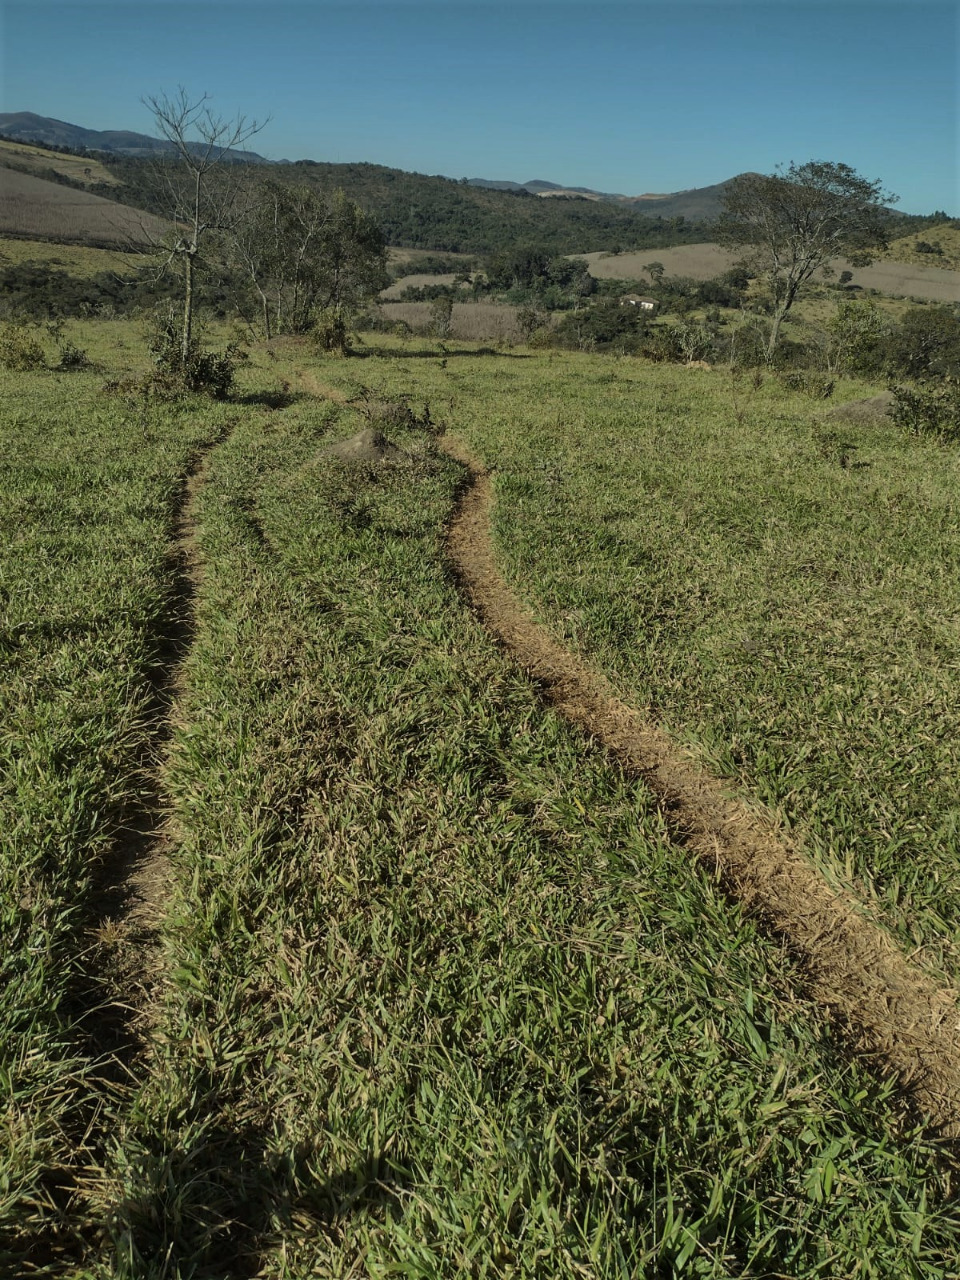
(124, 967)
(903, 1017)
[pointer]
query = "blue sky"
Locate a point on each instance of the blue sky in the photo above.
(628, 97)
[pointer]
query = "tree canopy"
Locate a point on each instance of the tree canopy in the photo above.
(793, 222)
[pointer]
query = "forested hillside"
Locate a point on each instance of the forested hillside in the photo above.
(417, 211)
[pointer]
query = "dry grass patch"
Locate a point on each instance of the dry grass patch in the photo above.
(947, 236)
(37, 209)
(699, 261)
(706, 261)
(416, 282)
(38, 160)
(472, 321)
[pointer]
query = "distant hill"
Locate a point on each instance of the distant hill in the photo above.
(418, 211)
(699, 203)
(471, 216)
(24, 126)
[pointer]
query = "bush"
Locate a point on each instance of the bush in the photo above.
(748, 344)
(330, 331)
(72, 357)
(441, 316)
(605, 326)
(662, 345)
(818, 385)
(205, 372)
(393, 414)
(927, 341)
(928, 410)
(20, 348)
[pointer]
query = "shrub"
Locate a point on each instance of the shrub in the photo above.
(927, 341)
(206, 372)
(605, 326)
(330, 331)
(20, 348)
(441, 316)
(393, 415)
(748, 344)
(928, 410)
(72, 357)
(818, 385)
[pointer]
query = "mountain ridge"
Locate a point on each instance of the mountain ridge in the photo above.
(28, 126)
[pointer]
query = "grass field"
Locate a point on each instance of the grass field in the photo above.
(84, 260)
(947, 236)
(38, 161)
(441, 996)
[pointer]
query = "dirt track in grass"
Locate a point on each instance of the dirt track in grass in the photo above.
(903, 1017)
(125, 964)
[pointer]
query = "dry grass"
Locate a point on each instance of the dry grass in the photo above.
(948, 238)
(705, 261)
(415, 281)
(44, 210)
(37, 160)
(699, 261)
(472, 321)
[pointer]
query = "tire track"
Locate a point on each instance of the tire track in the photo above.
(131, 885)
(111, 998)
(904, 1018)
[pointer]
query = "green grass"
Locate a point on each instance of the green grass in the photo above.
(84, 261)
(443, 998)
(87, 497)
(794, 619)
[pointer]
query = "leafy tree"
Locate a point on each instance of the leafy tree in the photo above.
(197, 206)
(792, 223)
(925, 344)
(856, 330)
(303, 254)
(441, 316)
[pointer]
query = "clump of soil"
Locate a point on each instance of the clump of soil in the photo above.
(863, 412)
(369, 445)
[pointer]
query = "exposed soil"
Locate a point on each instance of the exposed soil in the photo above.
(863, 412)
(905, 1018)
(117, 996)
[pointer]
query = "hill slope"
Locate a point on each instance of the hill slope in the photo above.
(25, 126)
(37, 209)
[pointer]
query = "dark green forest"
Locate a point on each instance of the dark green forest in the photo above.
(420, 212)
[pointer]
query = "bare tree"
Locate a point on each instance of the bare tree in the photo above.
(200, 142)
(794, 222)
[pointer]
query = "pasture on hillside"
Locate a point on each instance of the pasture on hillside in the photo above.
(706, 261)
(41, 161)
(330, 948)
(34, 208)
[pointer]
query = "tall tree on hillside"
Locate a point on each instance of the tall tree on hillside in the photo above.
(196, 203)
(794, 222)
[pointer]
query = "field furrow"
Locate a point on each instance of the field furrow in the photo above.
(893, 1010)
